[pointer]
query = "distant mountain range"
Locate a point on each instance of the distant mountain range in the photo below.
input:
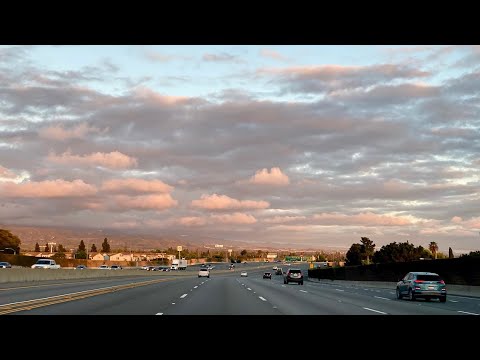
(128, 239)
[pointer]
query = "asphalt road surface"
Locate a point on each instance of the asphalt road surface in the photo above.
(224, 293)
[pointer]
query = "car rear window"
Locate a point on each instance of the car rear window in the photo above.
(429, 277)
(295, 271)
(203, 269)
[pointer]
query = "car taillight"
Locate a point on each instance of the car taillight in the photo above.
(418, 281)
(441, 282)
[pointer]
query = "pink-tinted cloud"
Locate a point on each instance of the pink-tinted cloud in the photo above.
(61, 134)
(136, 185)
(300, 228)
(395, 186)
(149, 95)
(235, 218)
(192, 221)
(112, 160)
(145, 202)
(6, 174)
(283, 219)
(473, 223)
(47, 189)
(274, 177)
(365, 219)
(457, 220)
(272, 54)
(223, 202)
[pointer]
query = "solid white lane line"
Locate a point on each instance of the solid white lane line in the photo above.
(303, 291)
(262, 298)
(159, 314)
(466, 312)
(377, 311)
(339, 289)
(249, 289)
(181, 297)
(195, 287)
(379, 297)
(365, 289)
(455, 301)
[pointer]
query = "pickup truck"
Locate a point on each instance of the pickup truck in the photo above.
(45, 264)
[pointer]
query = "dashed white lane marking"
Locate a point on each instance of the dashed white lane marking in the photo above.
(159, 314)
(391, 292)
(339, 289)
(173, 303)
(254, 292)
(303, 291)
(453, 301)
(466, 312)
(243, 284)
(181, 297)
(195, 287)
(377, 290)
(377, 311)
(202, 282)
(379, 297)
(262, 298)
(249, 289)
(366, 289)
(283, 285)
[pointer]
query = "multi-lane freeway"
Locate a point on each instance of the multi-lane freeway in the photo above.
(225, 292)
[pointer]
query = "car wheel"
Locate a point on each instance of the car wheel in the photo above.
(427, 299)
(284, 282)
(198, 275)
(399, 294)
(208, 276)
(443, 298)
(301, 283)
(411, 295)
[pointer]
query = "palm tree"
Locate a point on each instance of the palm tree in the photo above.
(433, 248)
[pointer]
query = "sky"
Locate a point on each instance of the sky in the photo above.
(317, 145)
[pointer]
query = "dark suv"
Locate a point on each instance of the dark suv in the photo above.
(293, 275)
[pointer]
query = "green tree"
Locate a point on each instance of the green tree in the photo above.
(354, 255)
(47, 248)
(93, 248)
(82, 246)
(243, 252)
(320, 257)
(54, 249)
(368, 248)
(61, 248)
(105, 246)
(81, 254)
(433, 247)
(400, 252)
(37, 247)
(8, 240)
(59, 255)
(450, 253)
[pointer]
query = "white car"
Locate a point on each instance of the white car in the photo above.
(204, 272)
(105, 267)
(243, 274)
(45, 264)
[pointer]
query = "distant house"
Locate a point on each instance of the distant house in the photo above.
(101, 257)
(121, 257)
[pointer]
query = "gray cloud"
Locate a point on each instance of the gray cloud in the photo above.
(222, 57)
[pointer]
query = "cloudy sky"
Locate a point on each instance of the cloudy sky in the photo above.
(316, 145)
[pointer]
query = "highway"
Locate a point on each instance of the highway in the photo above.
(224, 293)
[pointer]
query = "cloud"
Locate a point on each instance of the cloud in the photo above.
(223, 202)
(47, 189)
(365, 219)
(145, 202)
(112, 160)
(274, 177)
(158, 57)
(327, 78)
(457, 220)
(223, 57)
(6, 174)
(282, 219)
(272, 54)
(192, 221)
(136, 185)
(235, 218)
(59, 133)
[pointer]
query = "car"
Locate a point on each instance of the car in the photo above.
(80, 267)
(267, 275)
(293, 275)
(426, 285)
(204, 272)
(116, 267)
(45, 264)
(243, 274)
(104, 267)
(5, 265)
(231, 267)
(275, 268)
(279, 271)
